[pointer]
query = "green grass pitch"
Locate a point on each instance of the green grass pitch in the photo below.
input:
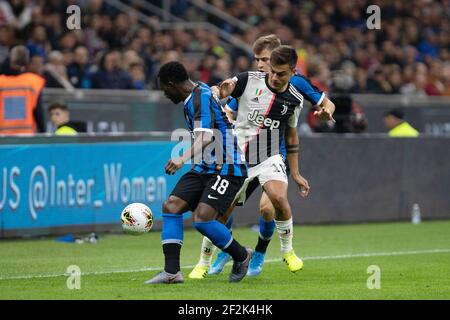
(414, 263)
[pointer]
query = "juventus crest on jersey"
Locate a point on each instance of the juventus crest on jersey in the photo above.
(263, 115)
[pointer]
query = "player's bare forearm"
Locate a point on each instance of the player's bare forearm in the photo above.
(201, 141)
(329, 105)
(292, 149)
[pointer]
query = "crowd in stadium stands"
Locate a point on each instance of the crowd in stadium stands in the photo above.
(410, 54)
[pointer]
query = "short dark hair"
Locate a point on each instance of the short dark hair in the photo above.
(173, 72)
(269, 42)
(58, 105)
(284, 55)
(20, 56)
(398, 113)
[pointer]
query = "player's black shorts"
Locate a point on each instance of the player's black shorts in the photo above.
(213, 189)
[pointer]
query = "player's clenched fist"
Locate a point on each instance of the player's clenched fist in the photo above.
(302, 184)
(227, 87)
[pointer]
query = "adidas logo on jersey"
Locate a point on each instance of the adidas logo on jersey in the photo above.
(260, 119)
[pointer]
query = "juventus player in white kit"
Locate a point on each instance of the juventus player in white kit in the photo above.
(268, 105)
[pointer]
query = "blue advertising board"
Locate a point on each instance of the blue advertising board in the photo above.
(54, 185)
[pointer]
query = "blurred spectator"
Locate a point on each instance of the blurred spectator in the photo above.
(67, 57)
(6, 41)
(68, 41)
(434, 86)
(394, 77)
(320, 75)
(221, 71)
(55, 72)
(329, 35)
(242, 65)
(446, 77)
(417, 80)
(429, 45)
(377, 82)
(111, 75)
(137, 74)
(20, 96)
(130, 57)
(206, 68)
(60, 118)
(397, 126)
(80, 71)
(37, 44)
(349, 116)
(36, 64)
(16, 13)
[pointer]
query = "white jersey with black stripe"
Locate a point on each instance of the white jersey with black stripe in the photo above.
(263, 115)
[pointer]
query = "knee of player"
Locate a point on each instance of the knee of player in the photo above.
(204, 213)
(200, 216)
(170, 205)
(279, 201)
(267, 211)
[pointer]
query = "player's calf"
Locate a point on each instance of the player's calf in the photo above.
(221, 237)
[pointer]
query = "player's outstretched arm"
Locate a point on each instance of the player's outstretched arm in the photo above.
(228, 112)
(292, 148)
(326, 110)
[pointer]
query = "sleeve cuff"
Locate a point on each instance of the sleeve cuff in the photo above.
(229, 109)
(204, 130)
(320, 100)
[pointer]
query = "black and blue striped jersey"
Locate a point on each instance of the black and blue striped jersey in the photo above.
(203, 112)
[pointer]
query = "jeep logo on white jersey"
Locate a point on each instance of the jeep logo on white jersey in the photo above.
(259, 120)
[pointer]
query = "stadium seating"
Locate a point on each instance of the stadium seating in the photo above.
(410, 55)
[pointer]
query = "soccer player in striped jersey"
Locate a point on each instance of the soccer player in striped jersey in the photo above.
(262, 49)
(208, 189)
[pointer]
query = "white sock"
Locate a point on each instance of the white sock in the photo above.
(286, 233)
(207, 252)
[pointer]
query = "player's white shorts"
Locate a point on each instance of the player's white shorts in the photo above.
(270, 169)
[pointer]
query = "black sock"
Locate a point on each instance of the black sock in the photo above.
(172, 257)
(262, 245)
(237, 251)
